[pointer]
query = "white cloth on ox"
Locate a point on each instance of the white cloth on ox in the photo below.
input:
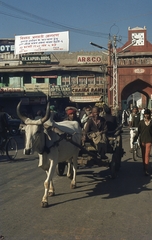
(70, 127)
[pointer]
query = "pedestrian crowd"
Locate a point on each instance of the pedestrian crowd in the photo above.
(98, 123)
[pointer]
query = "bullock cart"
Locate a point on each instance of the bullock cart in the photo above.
(88, 155)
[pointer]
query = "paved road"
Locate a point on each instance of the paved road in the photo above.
(99, 208)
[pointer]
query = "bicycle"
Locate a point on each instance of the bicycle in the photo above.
(136, 145)
(8, 147)
(136, 150)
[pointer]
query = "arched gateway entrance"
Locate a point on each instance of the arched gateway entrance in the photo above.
(143, 88)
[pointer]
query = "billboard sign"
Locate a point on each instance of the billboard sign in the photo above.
(6, 45)
(45, 42)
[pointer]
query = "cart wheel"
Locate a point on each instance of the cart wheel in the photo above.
(60, 168)
(117, 157)
(113, 168)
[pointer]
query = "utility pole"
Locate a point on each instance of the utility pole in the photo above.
(115, 81)
(114, 87)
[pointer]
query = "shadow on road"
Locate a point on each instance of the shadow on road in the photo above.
(130, 180)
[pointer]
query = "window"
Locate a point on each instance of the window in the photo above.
(91, 80)
(65, 81)
(53, 81)
(27, 79)
(40, 80)
(82, 80)
(99, 80)
(74, 81)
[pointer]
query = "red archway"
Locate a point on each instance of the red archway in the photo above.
(134, 68)
(137, 86)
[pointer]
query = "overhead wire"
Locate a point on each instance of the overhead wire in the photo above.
(47, 22)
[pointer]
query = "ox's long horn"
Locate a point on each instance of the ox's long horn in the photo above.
(23, 118)
(47, 114)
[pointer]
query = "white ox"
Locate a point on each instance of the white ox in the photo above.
(51, 148)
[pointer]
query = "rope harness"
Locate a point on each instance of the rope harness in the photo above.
(64, 136)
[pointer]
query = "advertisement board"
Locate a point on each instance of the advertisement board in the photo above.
(36, 59)
(6, 45)
(85, 99)
(45, 42)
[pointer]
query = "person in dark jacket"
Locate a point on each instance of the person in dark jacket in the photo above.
(111, 121)
(145, 134)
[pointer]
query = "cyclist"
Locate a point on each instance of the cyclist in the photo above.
(134, 120)
(3, 125)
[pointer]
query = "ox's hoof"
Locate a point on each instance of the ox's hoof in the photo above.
(70, 176)
(51, 194)
(72, 186)
(44, 204)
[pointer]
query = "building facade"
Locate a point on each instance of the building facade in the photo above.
(79, 77)
(62, 77)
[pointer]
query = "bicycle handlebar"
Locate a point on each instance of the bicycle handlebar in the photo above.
(133, 128)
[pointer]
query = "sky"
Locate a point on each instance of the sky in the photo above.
(87, 21)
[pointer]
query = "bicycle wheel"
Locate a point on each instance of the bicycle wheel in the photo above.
(135, 147)
(11, 148)
(139, 154)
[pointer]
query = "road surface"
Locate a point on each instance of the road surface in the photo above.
(100, 208)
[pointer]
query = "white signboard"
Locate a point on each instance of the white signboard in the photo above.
(85, 99)
(46, 42)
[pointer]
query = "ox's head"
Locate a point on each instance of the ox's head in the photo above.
(34, 132)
